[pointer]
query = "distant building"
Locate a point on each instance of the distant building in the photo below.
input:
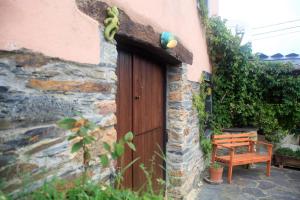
(292, 57)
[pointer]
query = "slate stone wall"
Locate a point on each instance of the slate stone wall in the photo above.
(184, 157)
(35, 92)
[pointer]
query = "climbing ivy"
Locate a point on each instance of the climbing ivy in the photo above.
(248, 92)
(199, 103)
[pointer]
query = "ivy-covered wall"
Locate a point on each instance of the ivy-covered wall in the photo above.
(247, 91)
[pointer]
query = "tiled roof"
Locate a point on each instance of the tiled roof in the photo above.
(292, 57)
(279, 56)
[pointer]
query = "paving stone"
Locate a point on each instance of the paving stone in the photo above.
(285, 197)
(294, 175)
(281, 185)
(243, 182)
(265, 185)
(253, 191)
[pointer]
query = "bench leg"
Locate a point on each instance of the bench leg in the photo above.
(229, 173)
(268, 172)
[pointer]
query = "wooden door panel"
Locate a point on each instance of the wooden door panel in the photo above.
(140, 109)
(148, 145)
(148, 95)
(124, 108)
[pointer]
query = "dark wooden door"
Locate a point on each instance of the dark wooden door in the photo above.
(140, 108)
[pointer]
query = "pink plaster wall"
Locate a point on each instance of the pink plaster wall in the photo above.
(57, 28)
(178, 16)
(214, 7)
(53, 27)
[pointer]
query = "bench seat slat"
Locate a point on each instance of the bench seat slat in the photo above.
(245, 158)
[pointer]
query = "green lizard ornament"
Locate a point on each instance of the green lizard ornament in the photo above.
(111, 23)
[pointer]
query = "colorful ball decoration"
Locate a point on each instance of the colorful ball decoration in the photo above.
(168, 40)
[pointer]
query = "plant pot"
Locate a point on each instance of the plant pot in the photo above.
(287, 161)
(216, 174)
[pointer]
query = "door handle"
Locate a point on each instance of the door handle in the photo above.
(137, 97)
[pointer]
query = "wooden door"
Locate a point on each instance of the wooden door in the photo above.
(140, 108)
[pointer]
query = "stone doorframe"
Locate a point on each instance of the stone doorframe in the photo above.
(184, 158)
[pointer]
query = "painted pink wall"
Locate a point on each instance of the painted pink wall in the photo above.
(53, 27)
(214, 7)
(178, 16)
(57, 28)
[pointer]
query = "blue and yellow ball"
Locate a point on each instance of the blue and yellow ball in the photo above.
(168, 40)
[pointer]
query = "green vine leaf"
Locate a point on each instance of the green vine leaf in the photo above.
(106, 146)
(131, 146)
(76, 147)
(88, 139)
(71, 137)
(128, 136)
(66, 123)
(104, 160)
(119, 149)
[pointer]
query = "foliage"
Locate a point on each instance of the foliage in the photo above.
(81, 134)
(248, 92)
(284, 151)
(2, 196)
(216, 165)
(59, 190)
(86, 189)
(115, 152)
(118, 149)
(203, 117)
(203, 12)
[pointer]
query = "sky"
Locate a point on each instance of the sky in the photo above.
(272, 26)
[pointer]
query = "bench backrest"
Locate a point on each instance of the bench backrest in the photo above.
(234, 140)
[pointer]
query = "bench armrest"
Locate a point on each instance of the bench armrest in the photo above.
(215, 147)
(264, 143)
(269, 146)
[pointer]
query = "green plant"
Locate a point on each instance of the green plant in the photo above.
(216, 165)
(203, 117)
(203, 12)
(84, 188)
(81, 134)
(149, 173)
(248, 92)
(75, 190)
(2, 196)
(115, 152)
(284, 151)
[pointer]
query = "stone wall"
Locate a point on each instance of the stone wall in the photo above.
(184, 157)
(35, 92)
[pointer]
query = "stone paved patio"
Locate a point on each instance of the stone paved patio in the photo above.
(253, 184)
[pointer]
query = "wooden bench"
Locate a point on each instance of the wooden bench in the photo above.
(234, 141)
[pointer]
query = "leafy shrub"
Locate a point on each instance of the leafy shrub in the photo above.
(284, 151)
(203, 118)
(89, 191)
(248, 92)
(84, 188)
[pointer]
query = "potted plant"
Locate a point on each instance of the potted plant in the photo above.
(287, 157)
(216, 172)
